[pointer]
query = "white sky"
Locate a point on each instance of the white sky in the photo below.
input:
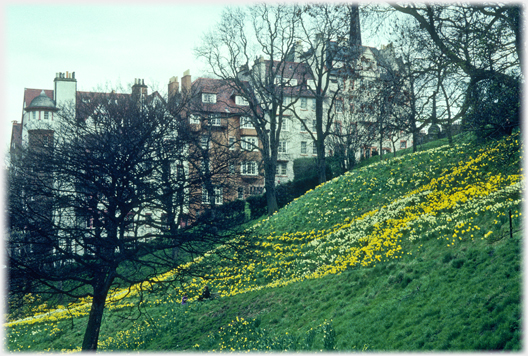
(106, 45)
(103, 44)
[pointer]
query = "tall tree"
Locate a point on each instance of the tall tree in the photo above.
(100, 202)
(249, 50)
(330, 62)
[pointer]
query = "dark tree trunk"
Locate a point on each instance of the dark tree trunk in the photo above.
(91, 335)
(321, 162)
(415, 139)
(269, 184)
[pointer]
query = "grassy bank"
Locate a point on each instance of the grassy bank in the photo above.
(411, 253)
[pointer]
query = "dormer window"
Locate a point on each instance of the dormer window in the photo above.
(208, 98)
(240, 100)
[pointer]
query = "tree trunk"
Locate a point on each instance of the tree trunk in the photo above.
(91, 335)
(319, 141)
(414, 138)
(381, 144)
(321, 162)
(269, 184)
(449, 133)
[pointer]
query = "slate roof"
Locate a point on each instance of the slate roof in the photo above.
(225, 96)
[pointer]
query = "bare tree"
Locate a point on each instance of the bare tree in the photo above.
(330, 64)
(249, 51)
(102, 199)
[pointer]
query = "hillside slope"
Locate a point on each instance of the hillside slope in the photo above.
(412, 253)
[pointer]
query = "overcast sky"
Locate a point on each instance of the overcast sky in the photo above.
(105, 45)
(102, 44)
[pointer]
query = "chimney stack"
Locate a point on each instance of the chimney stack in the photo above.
(139, 89)
(174, 87)
(186, 82)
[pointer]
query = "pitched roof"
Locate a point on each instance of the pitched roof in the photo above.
(225, 96)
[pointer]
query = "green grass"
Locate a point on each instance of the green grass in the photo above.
(448, 286)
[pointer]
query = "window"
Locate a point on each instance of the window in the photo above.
(281, 168)
(215, 120)
(205, 166)
(249, 143)
(314, 125)
(303, 147)
(255, 190)
(245, 123)
(204, 142)
(311, 84)
(285, 124)
(304, 103)
(403, 144)
(218, 196)
(231, 168)
(248, 168)
(286, 100)
(194, 120)
(240, 100)
(180, 172)
(46, 115)
(232, 143)
(313, 104)
(240, 192)
(314, 148)
(205, 196)
(208, 98)
(282, 146)
(34, 114)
